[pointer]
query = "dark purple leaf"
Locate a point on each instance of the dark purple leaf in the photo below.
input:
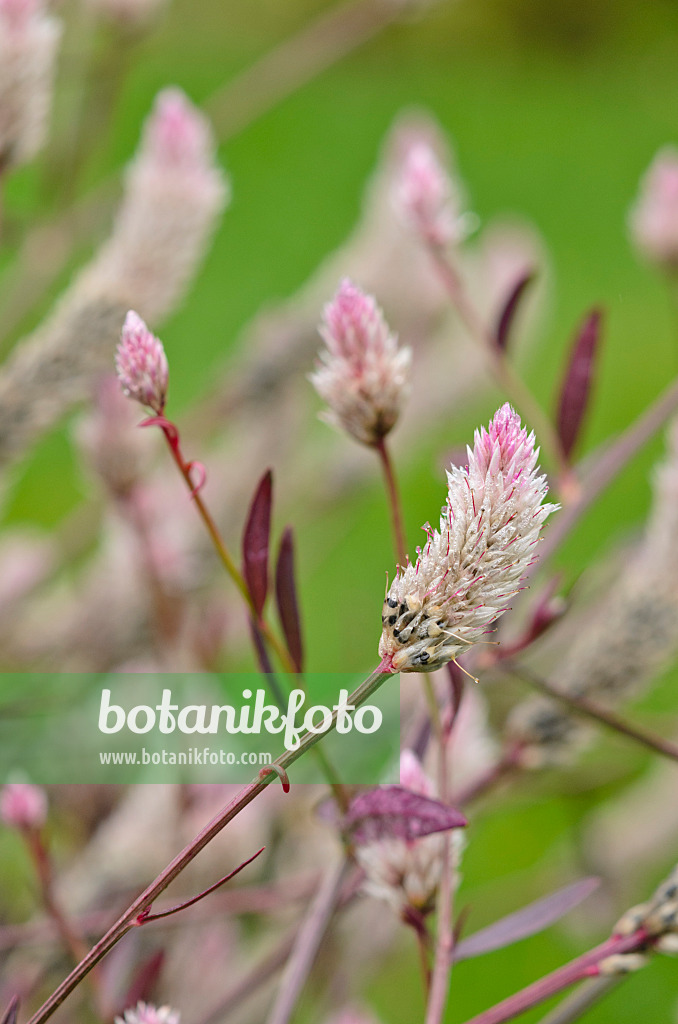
(507, 315)
(533, 918)
(10, 1014)
(392, 812)
(286, 599)
(143, 982)
(255, 541)
(574, 394)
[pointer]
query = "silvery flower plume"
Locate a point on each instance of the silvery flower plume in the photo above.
(426, 196)
(146, 1013)
(462, 580)
(29, 38)
(363, 375)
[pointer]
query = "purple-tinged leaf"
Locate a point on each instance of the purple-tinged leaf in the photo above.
(576, 389)
(392, 812)
(143, 982)
(255, 542)
(286, 599)
(509, 309)
(531, 920)
(10, 1014)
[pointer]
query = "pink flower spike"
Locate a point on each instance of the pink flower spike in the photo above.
(363, 374)
(23, 806)
(464, 578)
(177, 133)
(426, 198)
(141, 364)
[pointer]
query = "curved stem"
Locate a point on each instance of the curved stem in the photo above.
(246, 795)
(394, 503)
(583, 967)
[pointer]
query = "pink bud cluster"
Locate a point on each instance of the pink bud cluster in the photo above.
(29, 39)
(23, 805)
(468, 570)
(425, 196)
(142, 365)
(653, 219)
(363, 375)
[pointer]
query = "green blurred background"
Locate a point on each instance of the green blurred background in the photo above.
(554, 109)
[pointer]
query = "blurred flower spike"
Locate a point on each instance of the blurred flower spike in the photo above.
(141, 364)
(146, 1013)
(654, 217)
(23, 806)
(426, 198)
(439, 607)
(29, 39)
(363, 375)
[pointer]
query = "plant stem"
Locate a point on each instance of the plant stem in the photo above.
(307, 943)
(394, 503)
(604, 465)
(593, 710)
(507, 378)
(296, 61)
(578, 1002)
(583, 967)
(223, 552)
(246, 795)
(444, 944)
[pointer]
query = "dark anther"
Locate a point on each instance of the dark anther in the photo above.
(392, 619)
(423, 658)
(396, 633)
(403, 608)
(392, 603)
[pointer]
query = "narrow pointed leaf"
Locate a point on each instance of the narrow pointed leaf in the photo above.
(507, 315)
(255, 542)
(393, 812)
(10, 1014)
(576, 389)
(286, 599)
(531, 920)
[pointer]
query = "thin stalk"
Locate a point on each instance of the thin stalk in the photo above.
(43, 869)
(507, 378)
(143, 902)
(444, 944)
(604, 466)
(580, 1001)
(296, 61)
(591, 709)
(394, 503)
(583, 967)
(224, 554)
(307, 944)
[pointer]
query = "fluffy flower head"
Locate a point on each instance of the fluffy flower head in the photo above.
(23, 805)
(363, 374)
(438, 607)
(141, 364)
(146, 1013)
(654, 217)
(425, 196)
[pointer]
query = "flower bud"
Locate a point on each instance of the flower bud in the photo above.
(146, 1013)
(141, 364)
(426, 198)
(23, 805)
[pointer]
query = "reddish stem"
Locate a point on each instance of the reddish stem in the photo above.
(394, 504)
(584, 966)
